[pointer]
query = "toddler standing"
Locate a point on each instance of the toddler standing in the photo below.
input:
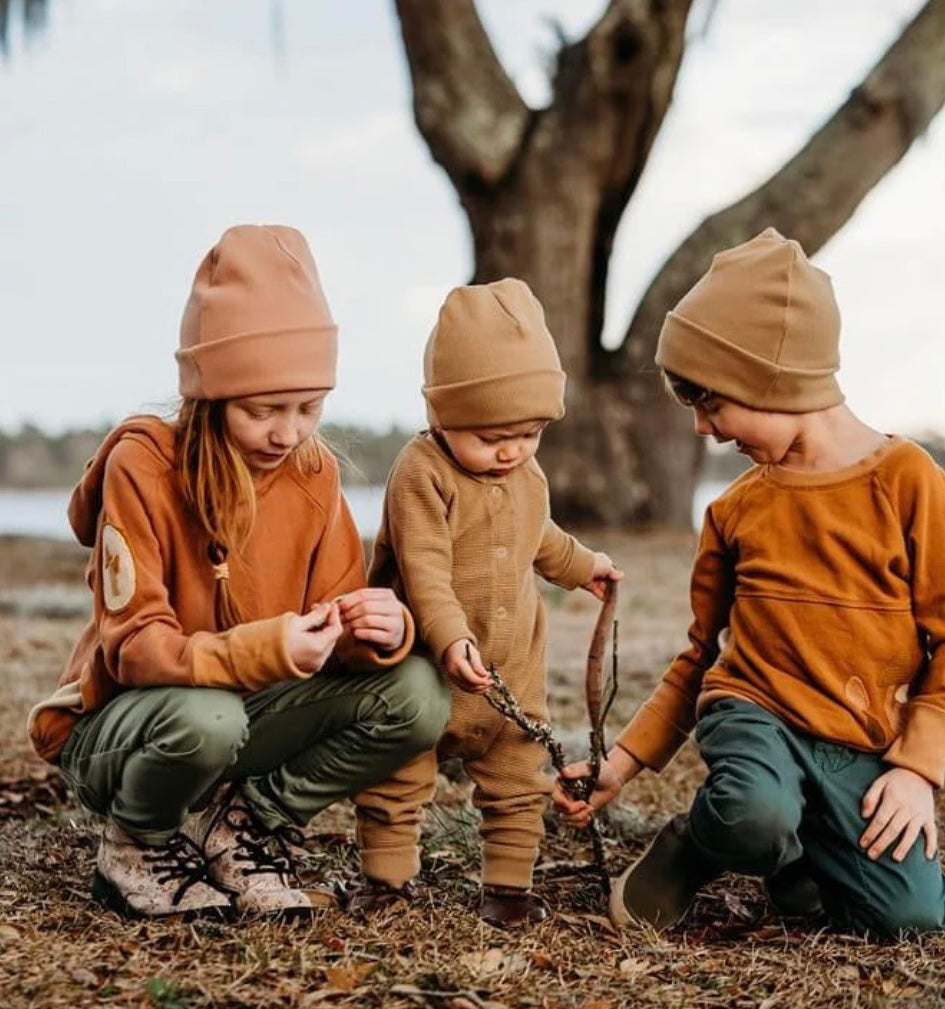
(466, 525)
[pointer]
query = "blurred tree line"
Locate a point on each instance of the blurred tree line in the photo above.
(31, 458)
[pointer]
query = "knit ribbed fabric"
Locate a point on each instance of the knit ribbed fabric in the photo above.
(761, 327)
(257, 320)
(462, 551)
(491, 360)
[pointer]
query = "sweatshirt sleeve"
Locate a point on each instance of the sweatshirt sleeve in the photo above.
(663, 722)
(338, 568)
(563, 560)
(416, 509)
(142, 639)
(920, 499)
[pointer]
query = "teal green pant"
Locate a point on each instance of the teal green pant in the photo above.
(773, 793)
(152, 754)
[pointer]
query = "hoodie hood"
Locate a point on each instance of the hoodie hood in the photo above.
(85, 505)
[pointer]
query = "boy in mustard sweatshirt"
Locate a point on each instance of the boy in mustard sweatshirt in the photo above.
(820, 711)
(466, 525)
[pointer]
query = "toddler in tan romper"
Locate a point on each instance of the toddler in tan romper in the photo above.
(466, 525)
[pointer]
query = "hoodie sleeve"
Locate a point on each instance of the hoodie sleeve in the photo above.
(143, 643)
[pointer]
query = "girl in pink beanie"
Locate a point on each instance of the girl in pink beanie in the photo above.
(237, 676)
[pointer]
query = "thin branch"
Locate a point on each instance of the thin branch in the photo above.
(815, 193)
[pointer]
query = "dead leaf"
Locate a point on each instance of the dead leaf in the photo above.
(345, 977)
(492, 961)
(635, 967)
(587, 919)
(83, 977)
(737, 906)
(543, 960)
(313, 998)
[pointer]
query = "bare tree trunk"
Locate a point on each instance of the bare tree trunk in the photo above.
(544, 191)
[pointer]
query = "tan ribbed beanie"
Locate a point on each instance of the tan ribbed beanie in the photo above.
(257, 320)
(491, 360)
(761, 327)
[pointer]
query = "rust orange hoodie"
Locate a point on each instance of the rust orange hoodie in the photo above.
(153, 584)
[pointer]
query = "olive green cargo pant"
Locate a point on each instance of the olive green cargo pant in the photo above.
(774, 793)
(152, 754)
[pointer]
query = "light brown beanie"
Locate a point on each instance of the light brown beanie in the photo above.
(491, 360)
(257, 320)
(761, 327)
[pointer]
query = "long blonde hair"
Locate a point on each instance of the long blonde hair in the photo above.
(218, 487)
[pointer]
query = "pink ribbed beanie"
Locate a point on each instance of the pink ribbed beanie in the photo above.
(257, 320)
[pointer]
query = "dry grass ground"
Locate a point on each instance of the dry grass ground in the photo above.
(57, 949)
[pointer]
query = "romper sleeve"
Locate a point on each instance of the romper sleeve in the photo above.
(562, 559)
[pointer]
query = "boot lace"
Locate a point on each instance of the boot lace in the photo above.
(265, 851)
(179, 859)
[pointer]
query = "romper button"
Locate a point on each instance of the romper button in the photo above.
(496, 490)
(501, 611)
(500, 551)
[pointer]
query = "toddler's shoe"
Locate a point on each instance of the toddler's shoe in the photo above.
(374, 895)
(791, 890)
(661, 886)
(511, 907)
(246, 858)
(156, 881)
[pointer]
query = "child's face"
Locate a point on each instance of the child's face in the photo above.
(763, 436)
(495, 451)
(266, 428)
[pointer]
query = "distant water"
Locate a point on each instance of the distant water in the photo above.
(43, 512)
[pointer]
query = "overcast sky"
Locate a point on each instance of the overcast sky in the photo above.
(135, 131)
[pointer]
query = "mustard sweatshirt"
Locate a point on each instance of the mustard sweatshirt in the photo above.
(832, 587)
(153, 585)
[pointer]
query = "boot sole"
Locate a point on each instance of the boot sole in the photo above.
(106, 893)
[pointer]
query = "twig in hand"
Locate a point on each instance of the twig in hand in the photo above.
(503, 700)
(593, 685)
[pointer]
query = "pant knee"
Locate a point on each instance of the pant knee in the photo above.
(752, 832)
(203, 728)
(909, 912)
(418, 701)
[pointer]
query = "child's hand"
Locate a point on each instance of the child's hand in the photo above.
(374, 615)
(615, 772)
(311, 637)
(463, 665)
(898, 804)
(603, 572)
